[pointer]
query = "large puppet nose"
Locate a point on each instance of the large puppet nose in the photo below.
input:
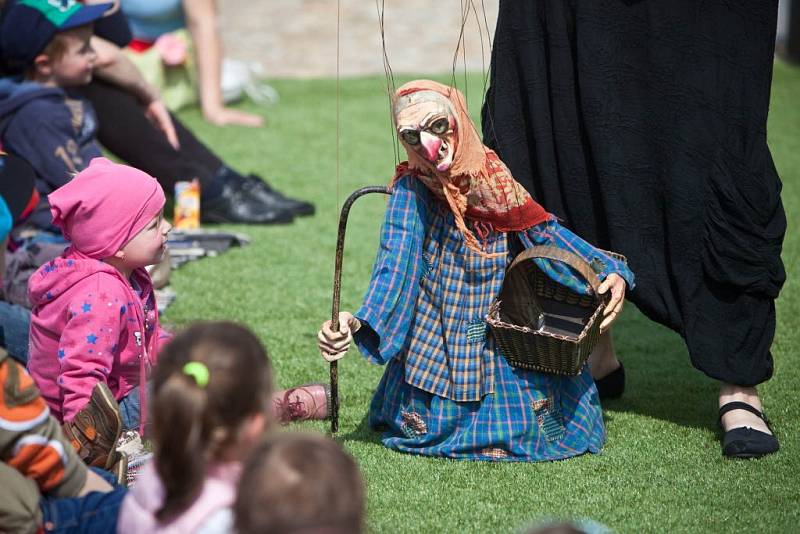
(431, 144)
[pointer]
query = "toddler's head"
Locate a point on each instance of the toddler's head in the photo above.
(211, 387)
(48, 40)
(300, 483)
(113, 213)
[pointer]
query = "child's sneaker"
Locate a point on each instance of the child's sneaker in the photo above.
(95, 429)
(120, 470)
(135, 467)
(130, 445)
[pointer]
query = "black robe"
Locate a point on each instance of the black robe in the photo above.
(643, 125)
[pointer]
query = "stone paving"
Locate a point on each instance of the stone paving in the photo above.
(297, 38)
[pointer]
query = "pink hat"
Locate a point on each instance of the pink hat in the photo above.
(105, 206)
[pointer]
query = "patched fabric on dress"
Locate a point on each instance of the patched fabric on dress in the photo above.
(494, 453)
(413, 424)
(403, 319)
(548, 416)
(476, 332)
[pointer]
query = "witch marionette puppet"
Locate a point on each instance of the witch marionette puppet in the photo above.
(452, 224)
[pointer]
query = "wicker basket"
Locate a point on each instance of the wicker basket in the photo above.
(542, 325)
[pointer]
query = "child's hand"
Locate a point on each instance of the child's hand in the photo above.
(334, 344)
(617, 285)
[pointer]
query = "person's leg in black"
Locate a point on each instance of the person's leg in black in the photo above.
(126, 132)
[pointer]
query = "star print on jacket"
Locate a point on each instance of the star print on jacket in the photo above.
(86, 334)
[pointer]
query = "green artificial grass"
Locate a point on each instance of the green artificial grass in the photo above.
(661, 469)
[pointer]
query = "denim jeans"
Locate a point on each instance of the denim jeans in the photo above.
(96, 512)
(15, 324)
(130, 408)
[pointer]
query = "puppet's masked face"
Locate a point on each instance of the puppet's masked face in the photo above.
(427, 126)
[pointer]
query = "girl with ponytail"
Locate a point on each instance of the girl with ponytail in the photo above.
(211, 404)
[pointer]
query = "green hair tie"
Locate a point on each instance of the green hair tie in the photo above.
(198, 371)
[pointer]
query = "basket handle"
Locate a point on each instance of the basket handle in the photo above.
(564, 256)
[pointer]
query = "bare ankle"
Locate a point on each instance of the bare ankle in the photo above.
(731, 393)
(603, 359)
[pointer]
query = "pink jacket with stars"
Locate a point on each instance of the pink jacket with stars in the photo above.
(89, 325)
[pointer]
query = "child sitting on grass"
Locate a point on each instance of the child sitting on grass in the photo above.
(94, 317)
(300, 483)
(46, 48)
(43, 483)
(211, 397)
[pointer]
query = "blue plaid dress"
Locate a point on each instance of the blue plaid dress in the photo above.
(447, 391)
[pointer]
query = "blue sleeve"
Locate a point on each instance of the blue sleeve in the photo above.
(388, 307)
(6, 220)
(553, 234)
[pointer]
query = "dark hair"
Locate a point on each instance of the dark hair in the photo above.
(193, 422)
(299, 482)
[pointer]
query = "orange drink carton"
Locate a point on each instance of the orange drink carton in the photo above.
(187, 205)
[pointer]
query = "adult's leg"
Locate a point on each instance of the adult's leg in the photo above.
(226, 195)
(607, 371)
(603, 359)
(729, 340)
(125, 131)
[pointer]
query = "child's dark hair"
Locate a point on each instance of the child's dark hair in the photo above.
(209, 379)
(299, 482)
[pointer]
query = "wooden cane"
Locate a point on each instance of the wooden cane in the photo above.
(337, 290)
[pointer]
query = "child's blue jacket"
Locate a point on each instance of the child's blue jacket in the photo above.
(53, 131)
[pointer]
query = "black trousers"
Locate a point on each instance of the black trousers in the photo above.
(643, 126)
(128, 134)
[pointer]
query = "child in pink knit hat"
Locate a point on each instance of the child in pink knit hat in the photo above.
(94, 319)
(94, 327)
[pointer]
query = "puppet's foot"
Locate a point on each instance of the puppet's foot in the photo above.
(303, 403)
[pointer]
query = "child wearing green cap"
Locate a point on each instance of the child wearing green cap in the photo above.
(48, 43)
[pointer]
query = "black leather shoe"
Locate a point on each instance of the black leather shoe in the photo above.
(612, 386)
(268, 194)
(237, 205)
(746, 442)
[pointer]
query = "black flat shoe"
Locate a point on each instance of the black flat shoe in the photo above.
(746, 442)
(612, 386)
(235, 204)
(267, 193)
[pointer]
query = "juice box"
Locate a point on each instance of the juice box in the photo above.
(187, 205)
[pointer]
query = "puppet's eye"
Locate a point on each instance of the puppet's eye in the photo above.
(411, 137)
(440, 126)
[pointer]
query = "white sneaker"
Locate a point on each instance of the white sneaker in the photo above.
(135, 467)
(130, 443)
(239, 78)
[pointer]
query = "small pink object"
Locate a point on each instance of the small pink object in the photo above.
(172, 48)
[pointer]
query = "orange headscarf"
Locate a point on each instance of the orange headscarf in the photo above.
(478, 185)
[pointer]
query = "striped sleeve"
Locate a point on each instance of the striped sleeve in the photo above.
(31, 440)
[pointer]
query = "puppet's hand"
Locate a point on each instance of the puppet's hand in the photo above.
(334, 344)
(616, 284)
